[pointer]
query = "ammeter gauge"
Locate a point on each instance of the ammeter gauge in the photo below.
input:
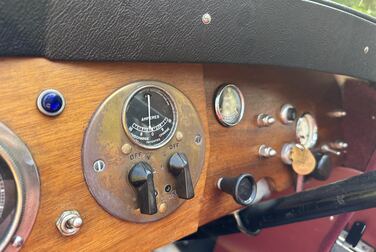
(150, 117)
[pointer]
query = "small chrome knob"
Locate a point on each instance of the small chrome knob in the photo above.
(325, 148)
(267, 151)
(69, 222)
(338, 145)
(337, 114)
(265, 120)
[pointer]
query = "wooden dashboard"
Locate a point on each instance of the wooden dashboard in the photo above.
(56, 143)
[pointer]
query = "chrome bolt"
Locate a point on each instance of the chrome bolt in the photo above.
(17, 241)
(99, 165)
(206, 18)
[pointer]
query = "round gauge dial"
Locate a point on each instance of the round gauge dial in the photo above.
(8, 199)
(150, 117)
(229, 105)
(306, 130)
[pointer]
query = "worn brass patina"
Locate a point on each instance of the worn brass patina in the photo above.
(106, 140)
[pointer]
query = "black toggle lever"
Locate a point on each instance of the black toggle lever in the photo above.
(179, 167)
(141, 177)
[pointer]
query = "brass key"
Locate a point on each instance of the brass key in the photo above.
(303, 161)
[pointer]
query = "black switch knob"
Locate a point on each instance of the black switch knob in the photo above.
(141, 177)
(323, 166)
(242, 188)
(179, 167)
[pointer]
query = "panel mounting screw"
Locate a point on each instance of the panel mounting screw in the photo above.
(206, 18)
(366, 50)
(198, 139)
(17, 241)
(99, 165)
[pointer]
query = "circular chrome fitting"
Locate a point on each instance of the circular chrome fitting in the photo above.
(18, 160)
(51, 102)
(286, 153)
(288, 114)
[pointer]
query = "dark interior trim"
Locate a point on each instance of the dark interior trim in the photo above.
(293, 33)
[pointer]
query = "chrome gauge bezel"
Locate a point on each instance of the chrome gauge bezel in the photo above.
(217, 105)
(313, 128)
(22, 166)
(147, 85)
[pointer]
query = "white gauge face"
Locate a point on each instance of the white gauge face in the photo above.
(229, 105)
(306, 130)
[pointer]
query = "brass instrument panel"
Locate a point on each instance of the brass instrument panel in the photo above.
(123, 161)
(144, 151)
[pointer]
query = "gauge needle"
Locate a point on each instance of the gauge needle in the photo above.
(148, 96)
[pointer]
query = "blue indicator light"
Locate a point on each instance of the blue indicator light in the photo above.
(52, 102)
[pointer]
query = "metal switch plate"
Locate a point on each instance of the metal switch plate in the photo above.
(106, 140)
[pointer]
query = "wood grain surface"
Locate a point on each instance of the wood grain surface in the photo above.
(56, 142)
(234, 150)
(56, 146)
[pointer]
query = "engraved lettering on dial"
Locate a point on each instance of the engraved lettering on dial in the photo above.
(150, 117)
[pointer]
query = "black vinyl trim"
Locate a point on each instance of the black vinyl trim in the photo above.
(292, 33)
